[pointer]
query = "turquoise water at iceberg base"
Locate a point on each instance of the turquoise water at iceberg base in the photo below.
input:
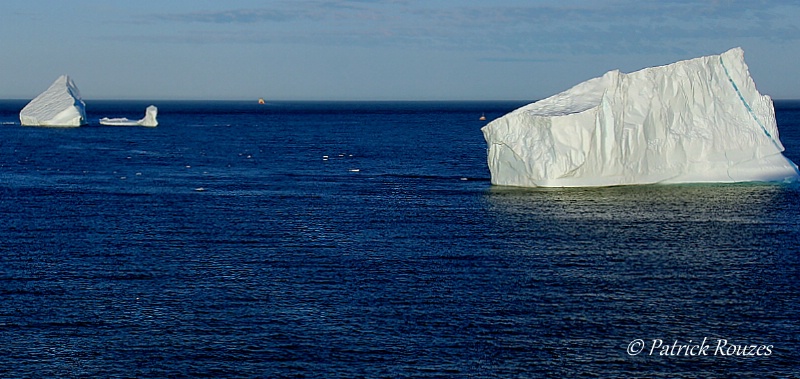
(364, 239)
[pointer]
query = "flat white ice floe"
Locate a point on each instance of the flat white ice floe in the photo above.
(60, 106)
(149, 119)
(693, 121)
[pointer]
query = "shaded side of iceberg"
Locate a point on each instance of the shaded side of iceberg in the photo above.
(149, 119)
(59, 106)
(693, 121)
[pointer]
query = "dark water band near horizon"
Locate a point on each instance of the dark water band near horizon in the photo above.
(364, 239)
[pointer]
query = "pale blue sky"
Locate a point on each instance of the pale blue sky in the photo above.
(378, 50)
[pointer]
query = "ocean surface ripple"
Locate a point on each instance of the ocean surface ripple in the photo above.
(364, 239)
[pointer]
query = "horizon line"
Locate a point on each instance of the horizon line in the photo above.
(291, 100)
(323, 100)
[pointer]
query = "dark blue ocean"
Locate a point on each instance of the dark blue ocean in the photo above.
(224, 244)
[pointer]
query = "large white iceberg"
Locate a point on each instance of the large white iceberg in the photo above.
(149, 119)
(699, 120)
(60, 105)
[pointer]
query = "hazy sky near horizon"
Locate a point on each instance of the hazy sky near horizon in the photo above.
(378, 49)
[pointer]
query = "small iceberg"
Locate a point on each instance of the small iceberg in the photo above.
(149, 119)
(59, 106)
